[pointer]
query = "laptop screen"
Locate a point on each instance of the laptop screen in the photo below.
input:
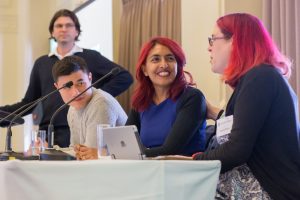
(123, 142)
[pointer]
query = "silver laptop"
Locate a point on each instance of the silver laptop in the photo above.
(123, 142)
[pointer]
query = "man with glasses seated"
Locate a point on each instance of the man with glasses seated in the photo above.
(64, 27)
(93, 107)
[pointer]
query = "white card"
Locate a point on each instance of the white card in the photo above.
(224, 125)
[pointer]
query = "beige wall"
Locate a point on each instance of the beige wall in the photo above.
(117, 12)
(249, 6)
(12, 80)
(198, 18)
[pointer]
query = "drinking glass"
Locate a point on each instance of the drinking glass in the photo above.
(102, 147)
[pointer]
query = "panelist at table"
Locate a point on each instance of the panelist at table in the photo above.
(169, 113)
(93, 107)
(260, 156)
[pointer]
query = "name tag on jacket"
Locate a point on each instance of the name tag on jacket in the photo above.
(224, 125)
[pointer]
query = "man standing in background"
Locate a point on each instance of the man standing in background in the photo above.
(64, 27)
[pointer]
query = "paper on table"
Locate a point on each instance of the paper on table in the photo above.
(171, 157)
(68, 150)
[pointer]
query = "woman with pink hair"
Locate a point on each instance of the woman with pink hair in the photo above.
(260, 156)
(169, 114)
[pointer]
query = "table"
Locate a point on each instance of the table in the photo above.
(109, 180)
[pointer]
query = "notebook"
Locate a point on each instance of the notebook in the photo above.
(123, 142)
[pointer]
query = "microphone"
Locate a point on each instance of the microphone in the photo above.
(9, 116)
(6, 117)
(31, 105)
(113, 72)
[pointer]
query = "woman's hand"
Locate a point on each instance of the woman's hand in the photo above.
(85, 153)
(212, 111)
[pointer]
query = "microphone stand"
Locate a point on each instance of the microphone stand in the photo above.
(113, 72)
(8, 149)
(11, 115)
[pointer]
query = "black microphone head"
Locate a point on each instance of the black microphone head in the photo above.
(6, 118)
(115, 71)
(68, 84)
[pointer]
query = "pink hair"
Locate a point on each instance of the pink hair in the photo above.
(143, 94)
(251, 45)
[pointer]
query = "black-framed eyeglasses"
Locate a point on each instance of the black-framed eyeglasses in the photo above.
(67, 25)
(212, 39)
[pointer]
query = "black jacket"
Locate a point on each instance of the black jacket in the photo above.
(265, 132)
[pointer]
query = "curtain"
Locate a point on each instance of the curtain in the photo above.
(282, 18)
(141, 20)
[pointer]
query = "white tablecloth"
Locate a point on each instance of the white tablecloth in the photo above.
(108, 179)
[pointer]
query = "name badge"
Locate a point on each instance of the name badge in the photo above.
(224, 125)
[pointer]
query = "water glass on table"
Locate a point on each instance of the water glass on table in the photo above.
(38, 140)
(42, 140)
(102, 147)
